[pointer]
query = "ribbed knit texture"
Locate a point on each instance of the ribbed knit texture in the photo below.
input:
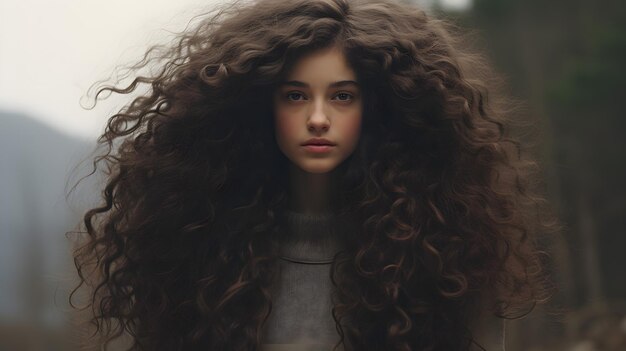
(301, 317)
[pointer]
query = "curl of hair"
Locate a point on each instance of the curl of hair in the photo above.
(181, 242)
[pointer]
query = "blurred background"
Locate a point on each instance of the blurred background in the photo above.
(562, 58)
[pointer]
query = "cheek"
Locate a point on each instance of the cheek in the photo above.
(352, 128)
(284, 126)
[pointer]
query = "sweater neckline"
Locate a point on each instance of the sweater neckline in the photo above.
(310, 238)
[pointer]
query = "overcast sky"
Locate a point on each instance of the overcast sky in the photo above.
(52, 51)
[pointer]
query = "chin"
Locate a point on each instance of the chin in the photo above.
(318, 168)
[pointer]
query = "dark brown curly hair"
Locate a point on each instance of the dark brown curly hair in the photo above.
(178, 254)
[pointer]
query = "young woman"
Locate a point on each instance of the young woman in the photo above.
(310, 175)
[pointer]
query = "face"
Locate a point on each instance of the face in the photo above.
(320, 99)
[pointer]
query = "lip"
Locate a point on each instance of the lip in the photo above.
(318, 142)
(318, 148)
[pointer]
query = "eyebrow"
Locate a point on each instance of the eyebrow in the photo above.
(338, 84)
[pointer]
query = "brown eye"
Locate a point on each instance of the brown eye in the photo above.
(344, 97)
(295, 96)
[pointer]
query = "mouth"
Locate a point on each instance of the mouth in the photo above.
(318, 142)
(318, 147)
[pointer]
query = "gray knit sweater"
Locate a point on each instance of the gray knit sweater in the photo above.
(301, 317)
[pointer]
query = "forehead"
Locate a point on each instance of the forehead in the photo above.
(328, 64)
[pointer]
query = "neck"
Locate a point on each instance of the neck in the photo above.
(312, 193)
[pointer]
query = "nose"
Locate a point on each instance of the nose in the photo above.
(318, 118)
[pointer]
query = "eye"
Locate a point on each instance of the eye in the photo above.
(294, 96)
(344, 97)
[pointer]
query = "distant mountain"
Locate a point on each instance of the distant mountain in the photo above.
(36, 162)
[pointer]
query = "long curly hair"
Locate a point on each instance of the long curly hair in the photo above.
(179, 254)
